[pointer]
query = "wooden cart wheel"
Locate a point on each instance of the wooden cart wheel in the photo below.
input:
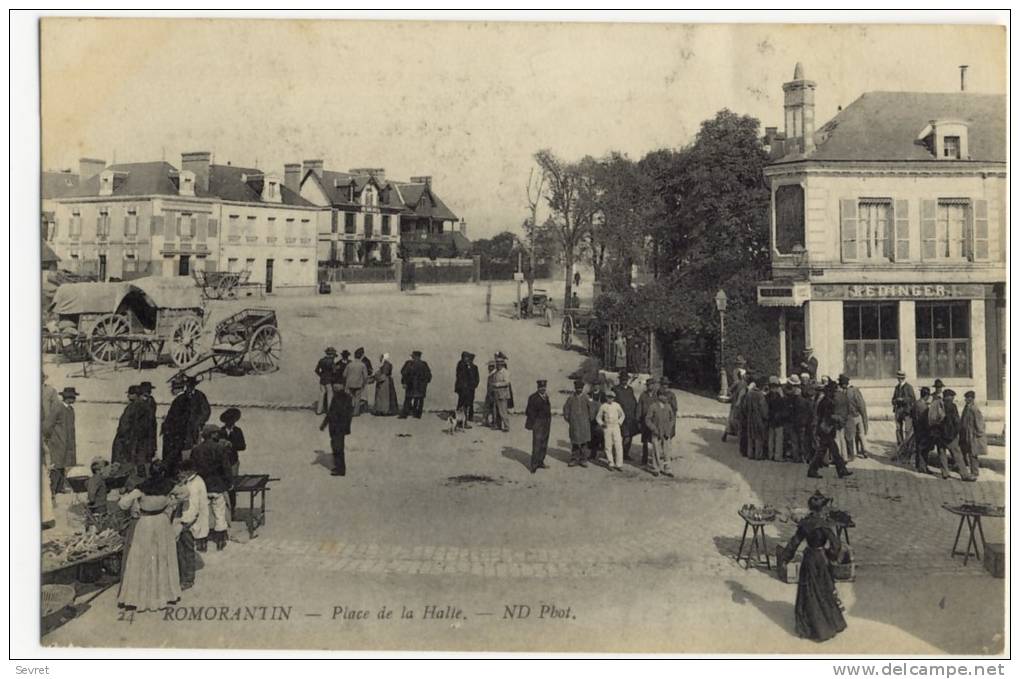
(184, 341)
(265, 349)
(106, 340)
(567, 332)
(227, 288)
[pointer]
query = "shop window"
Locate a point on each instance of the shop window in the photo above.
(871, 347)
(943, 339)
(789, 218)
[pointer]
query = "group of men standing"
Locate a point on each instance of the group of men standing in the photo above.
(931, 420)
(352, 376)
(606, 420)
(825, 422)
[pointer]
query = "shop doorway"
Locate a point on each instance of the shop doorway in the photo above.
(184, 267)
(995, 347)
(796, 339)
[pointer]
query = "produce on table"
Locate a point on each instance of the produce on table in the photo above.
(79, 547)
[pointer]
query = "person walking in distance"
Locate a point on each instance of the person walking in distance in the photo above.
(415, 376)
(338, 419)
(903, 398)
(660, 421)
(577, 412)
(501, 393)
(324, 371)
(829, 424)
(465, 384)
(620, 352)
(631, 424)
(538, 420)
(645, 403)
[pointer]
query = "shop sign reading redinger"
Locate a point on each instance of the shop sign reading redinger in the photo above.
(898, 291)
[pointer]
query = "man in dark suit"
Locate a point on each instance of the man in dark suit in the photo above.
(538, 420)
(324, 371)
(415, 376)
(234, 438)
(903, 398)
(338, 419)
(465, 385)
(210, 459)
(147, 427)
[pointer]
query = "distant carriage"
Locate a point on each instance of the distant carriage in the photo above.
(149, 318)
(581, 324)
(223, 284)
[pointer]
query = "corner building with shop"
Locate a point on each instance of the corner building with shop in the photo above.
(888, 238)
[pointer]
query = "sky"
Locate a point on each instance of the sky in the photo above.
(467, 103)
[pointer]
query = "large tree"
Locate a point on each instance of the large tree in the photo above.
(568, 196)
(617, 236)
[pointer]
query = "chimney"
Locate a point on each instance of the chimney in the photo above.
(799, 105)
(313, 165)
(463, 228)
(89, 168)
(198, 162)
(292, 176)
(427, 181)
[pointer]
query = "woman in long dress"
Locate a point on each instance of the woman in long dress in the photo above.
(818, 611)
(385, 392)
(150, 579)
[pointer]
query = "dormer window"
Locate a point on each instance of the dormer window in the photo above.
(951, 147)
(186, 183)
(945, 139)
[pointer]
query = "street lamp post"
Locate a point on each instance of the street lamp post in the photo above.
(724, 387)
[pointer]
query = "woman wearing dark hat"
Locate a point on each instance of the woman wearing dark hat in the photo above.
(150, 577)
(818, 611)
(232, 435)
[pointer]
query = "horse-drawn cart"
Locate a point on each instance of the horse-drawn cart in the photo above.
(248, 341)
(224, 284)
(146, 319)
(582, 324)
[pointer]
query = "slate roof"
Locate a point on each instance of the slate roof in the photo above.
(403, 196)
(142, 179)
(57, 184)
(160, 178)
(225, 182)
(884, 126)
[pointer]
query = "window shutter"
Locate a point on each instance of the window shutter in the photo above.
(848, 218)
(901, 215)
(203, 229)
(212, 225)
(979, 230)
(157, 225)
(928, 216)
(127, 223)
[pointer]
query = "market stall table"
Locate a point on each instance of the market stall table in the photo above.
(971, 514)
(755, 549)
(254, 485)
